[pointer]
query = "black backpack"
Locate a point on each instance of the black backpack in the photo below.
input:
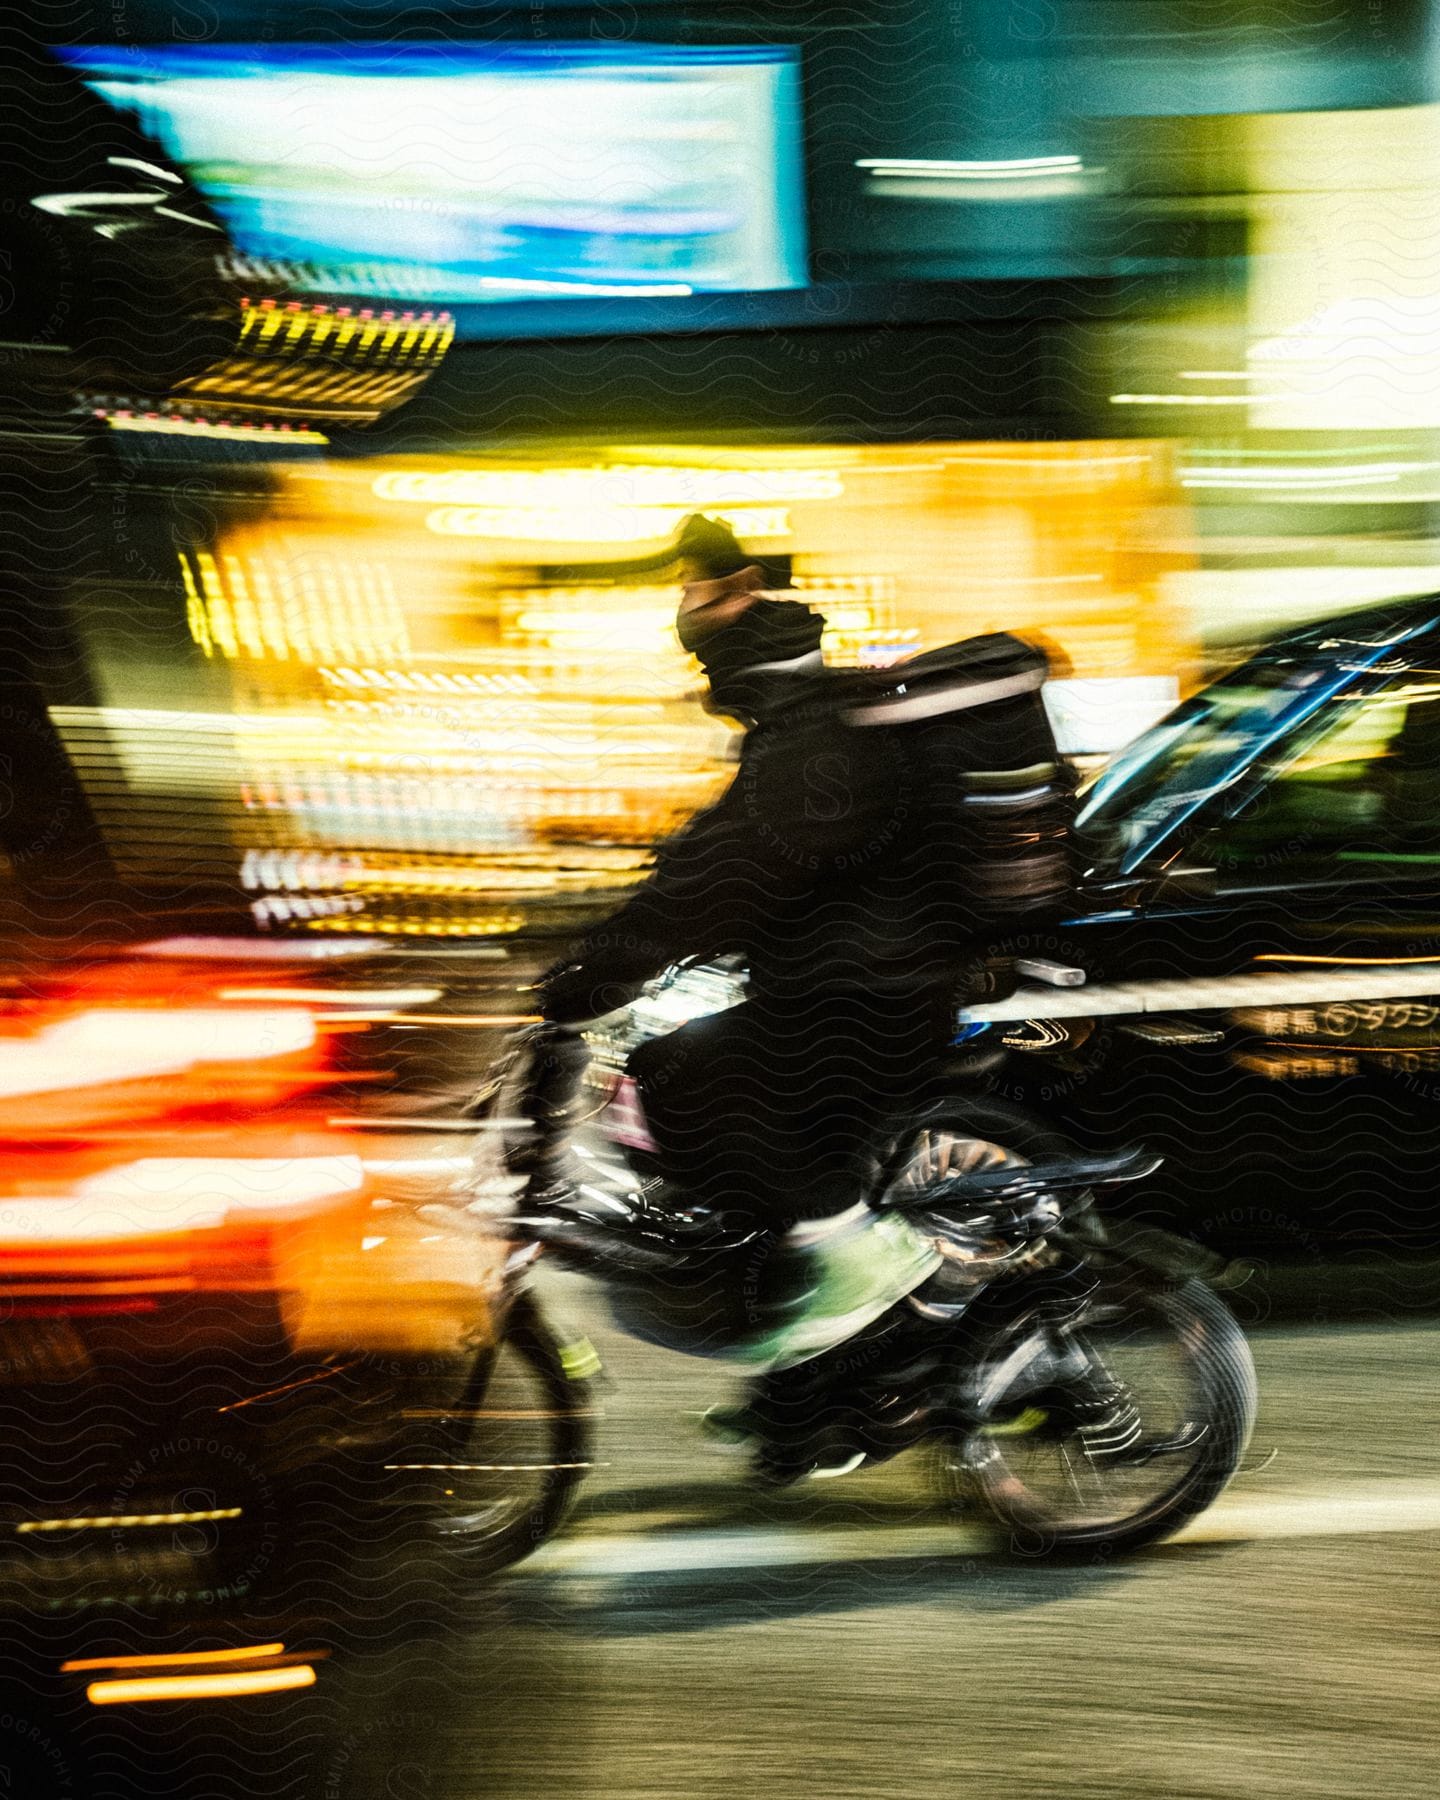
(942, 771)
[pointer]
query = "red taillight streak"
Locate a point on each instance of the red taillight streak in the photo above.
(47, 1286)
(235, 1258)
(78, 1309)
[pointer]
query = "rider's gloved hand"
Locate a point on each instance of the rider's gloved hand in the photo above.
(560, 991)
(573, 993)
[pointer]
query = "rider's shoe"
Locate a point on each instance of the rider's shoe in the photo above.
(731, 1427)
(777, 1466)
(1142, 1450)
(814, 1452)
(837, 1464)
(780, 1456)
(777, 1444)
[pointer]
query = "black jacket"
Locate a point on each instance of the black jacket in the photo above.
(847, 858)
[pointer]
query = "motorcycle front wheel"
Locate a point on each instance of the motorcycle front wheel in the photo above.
(1113, 1430)
(492, 1474)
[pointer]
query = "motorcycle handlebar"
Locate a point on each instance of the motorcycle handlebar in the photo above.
(1019, 1183)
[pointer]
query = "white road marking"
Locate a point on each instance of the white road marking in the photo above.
(1396, 1506)
(1335, 1512)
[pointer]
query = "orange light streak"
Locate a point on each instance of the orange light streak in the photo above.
(170, 1659)
(1348, 962)
(199, 1687)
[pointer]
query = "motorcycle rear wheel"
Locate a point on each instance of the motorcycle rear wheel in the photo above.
(1055, 1490)
(1216, 1373)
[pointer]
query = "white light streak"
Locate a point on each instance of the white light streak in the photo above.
(1007, 168)
(168, 1194)
(1311, 480)
(414, 996)
(607, 485)
(515, 284)
(1189, 399)
(129, 1044)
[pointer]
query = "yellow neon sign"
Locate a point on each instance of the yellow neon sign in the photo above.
(596, 524)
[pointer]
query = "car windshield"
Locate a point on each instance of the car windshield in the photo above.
(1144, 800)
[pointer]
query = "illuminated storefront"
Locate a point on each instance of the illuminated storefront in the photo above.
(457, 699)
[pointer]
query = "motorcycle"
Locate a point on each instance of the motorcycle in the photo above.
(1088, 1394)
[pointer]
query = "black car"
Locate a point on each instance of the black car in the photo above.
(1261, 937)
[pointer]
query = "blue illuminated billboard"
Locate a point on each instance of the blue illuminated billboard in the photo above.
(496, 172)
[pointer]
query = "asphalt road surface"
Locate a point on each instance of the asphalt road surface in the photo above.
(684, 1640)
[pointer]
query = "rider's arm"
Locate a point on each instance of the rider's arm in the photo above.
(706, 885)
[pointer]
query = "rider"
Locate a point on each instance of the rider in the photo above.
(853, 928)
(767, 1107)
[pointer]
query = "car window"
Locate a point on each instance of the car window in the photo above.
(1153, 792)
(1359, 789)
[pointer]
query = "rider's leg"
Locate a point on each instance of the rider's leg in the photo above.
(806, 1419)
(766, 1109)
(706, 1092)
